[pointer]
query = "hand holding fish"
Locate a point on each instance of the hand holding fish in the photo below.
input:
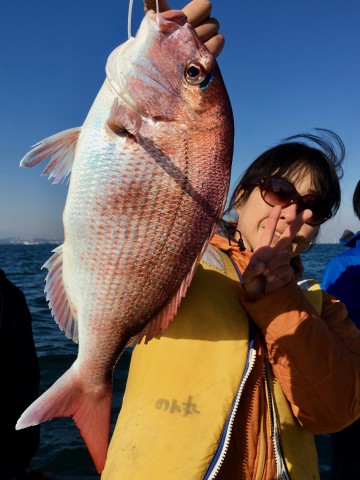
(269, 268)
(198, 14)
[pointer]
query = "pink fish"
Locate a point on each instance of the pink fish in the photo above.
(150, 171)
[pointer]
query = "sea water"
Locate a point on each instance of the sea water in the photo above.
(62, 450)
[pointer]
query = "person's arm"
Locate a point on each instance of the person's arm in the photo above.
(341, 278)
(316, 359)
(198, 14)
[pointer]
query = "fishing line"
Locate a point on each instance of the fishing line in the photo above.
(129, 18)
(130, 15)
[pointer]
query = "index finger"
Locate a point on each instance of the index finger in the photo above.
(270, 227)
(290, 232)
(197, 11)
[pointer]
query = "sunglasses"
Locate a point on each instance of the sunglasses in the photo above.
(278, 191)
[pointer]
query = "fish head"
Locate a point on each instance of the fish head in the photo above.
(165, 73)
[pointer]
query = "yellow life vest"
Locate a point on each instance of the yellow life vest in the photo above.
(177, 397)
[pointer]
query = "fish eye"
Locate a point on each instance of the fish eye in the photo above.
(195, 74)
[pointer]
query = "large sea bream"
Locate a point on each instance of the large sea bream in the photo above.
(150, 171)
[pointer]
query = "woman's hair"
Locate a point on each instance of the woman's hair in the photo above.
(291, 158)
(356, 200)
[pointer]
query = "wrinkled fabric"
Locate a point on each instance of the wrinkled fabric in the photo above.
(316, 359)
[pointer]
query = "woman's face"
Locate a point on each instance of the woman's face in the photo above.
(254, 212)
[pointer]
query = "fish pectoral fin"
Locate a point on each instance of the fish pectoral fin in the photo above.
(61, 308)
(123, 118)
(60, 149)
(90, 411)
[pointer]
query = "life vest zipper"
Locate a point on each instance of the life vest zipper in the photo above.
(223, 446)
(281, 470)
(219, 456)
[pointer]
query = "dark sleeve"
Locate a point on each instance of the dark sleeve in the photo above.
(19, 364)
(341, 278)
(19, 377)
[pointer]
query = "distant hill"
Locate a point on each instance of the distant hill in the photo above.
(28, 241)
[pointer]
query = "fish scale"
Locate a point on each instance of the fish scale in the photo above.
(150, 171)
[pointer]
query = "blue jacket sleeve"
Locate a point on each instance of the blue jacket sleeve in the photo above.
(341, 278)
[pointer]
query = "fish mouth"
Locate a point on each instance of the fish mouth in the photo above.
(127, 61)
(167, 23)
(170, 21)
(121, 60)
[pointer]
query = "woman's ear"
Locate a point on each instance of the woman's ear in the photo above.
(238, 199)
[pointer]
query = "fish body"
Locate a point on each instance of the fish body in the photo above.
(150, 171)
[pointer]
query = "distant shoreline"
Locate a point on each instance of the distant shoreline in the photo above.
(33, 241)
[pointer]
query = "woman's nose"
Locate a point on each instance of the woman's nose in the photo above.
(289, 213)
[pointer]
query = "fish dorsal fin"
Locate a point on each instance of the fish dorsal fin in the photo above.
(60, 149)
(64, 315)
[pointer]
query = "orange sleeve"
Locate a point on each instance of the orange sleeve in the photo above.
(316, 359)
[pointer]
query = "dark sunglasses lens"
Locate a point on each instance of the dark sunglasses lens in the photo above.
(320, 211)
(277, 191)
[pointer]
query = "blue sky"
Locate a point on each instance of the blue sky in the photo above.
(289, 66)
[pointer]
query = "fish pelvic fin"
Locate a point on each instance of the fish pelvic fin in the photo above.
(61, 308)
(59, 149)
(157, 326)
(90, 411)
(161, 321)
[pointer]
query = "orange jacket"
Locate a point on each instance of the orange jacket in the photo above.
(316, 360)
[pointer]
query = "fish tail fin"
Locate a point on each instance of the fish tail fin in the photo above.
(90, 411)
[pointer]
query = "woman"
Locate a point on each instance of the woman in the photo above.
(253, 365)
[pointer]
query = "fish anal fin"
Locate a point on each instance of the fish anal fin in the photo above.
(63, 312)
(90, 411)
(59, 149)
(123, 118)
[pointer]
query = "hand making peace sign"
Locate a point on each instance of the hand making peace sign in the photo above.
(269, 268)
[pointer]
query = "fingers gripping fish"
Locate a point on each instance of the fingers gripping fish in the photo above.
(150, 170)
